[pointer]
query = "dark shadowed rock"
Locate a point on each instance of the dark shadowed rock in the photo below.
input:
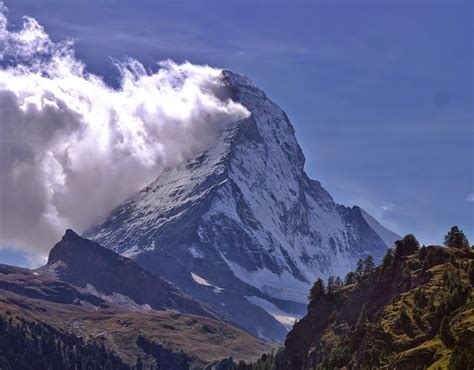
(82, 262)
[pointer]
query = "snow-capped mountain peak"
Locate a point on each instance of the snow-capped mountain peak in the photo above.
(244, 216)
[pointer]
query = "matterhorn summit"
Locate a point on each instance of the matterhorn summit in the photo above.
(240, 225)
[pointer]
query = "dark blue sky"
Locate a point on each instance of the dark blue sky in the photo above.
(380, 93)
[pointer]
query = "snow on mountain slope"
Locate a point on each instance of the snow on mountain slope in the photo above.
(245, 216)
(283, 317)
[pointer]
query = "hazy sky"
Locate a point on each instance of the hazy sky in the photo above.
(380, 93)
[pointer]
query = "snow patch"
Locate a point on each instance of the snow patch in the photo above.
(201, 281)
(284, 286)
(151, 247)
(195, 253)
(286, 319)
(132, 252)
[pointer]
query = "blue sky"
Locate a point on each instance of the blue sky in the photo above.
(380, 93)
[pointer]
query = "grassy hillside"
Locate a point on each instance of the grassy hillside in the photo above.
(414, 311)
(65, 311)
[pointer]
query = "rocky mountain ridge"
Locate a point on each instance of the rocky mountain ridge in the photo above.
(86, 264)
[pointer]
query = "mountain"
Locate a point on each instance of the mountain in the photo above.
(412, 312)
(89, 305)
(88, 265)
(240, 225)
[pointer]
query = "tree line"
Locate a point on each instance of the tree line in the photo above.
(455, 238)
(30, 345)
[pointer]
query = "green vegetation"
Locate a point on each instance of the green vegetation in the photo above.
(316, 290)
(369, 264)
(31, 345)
(456, 238)
(462, 356)
(350, 278)
(414, 311)
(333, 284)
(164, 357)
(388, 258)
(408, 245)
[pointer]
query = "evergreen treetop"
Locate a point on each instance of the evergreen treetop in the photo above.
(456, 238)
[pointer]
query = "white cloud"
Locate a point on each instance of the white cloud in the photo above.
(470, 198)
(72, 147)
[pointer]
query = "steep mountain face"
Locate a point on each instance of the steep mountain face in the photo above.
(86, 264)
(413, 312)
(241, 226)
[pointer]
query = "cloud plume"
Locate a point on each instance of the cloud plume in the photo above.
(72, 147)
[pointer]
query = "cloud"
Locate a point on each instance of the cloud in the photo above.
(387, 207)
(470, 198)
(72, 148)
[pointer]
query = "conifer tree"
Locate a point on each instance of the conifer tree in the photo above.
(368, 264)
(350, 278)
(331, 284)
(456, 238)
(408, 245)
(359, 269)
(316, 290)
(444, 332)
(388, 258)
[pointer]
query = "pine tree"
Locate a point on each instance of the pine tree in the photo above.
(456, 238)
(462, 356)
(359, 329)
(404, 320)
(420, 298)
(388, 258)
(331, 284)
(408, 245)
(368, 264)
(359, 269)
(444, 332)
(429, 260)
(350, 278)
(316, 290)
(470, 271)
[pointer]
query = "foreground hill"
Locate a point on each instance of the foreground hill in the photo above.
(413, 312)
(92, 306)
(246, 207)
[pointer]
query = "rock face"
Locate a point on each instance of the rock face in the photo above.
(241, 226)
(84, 263)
